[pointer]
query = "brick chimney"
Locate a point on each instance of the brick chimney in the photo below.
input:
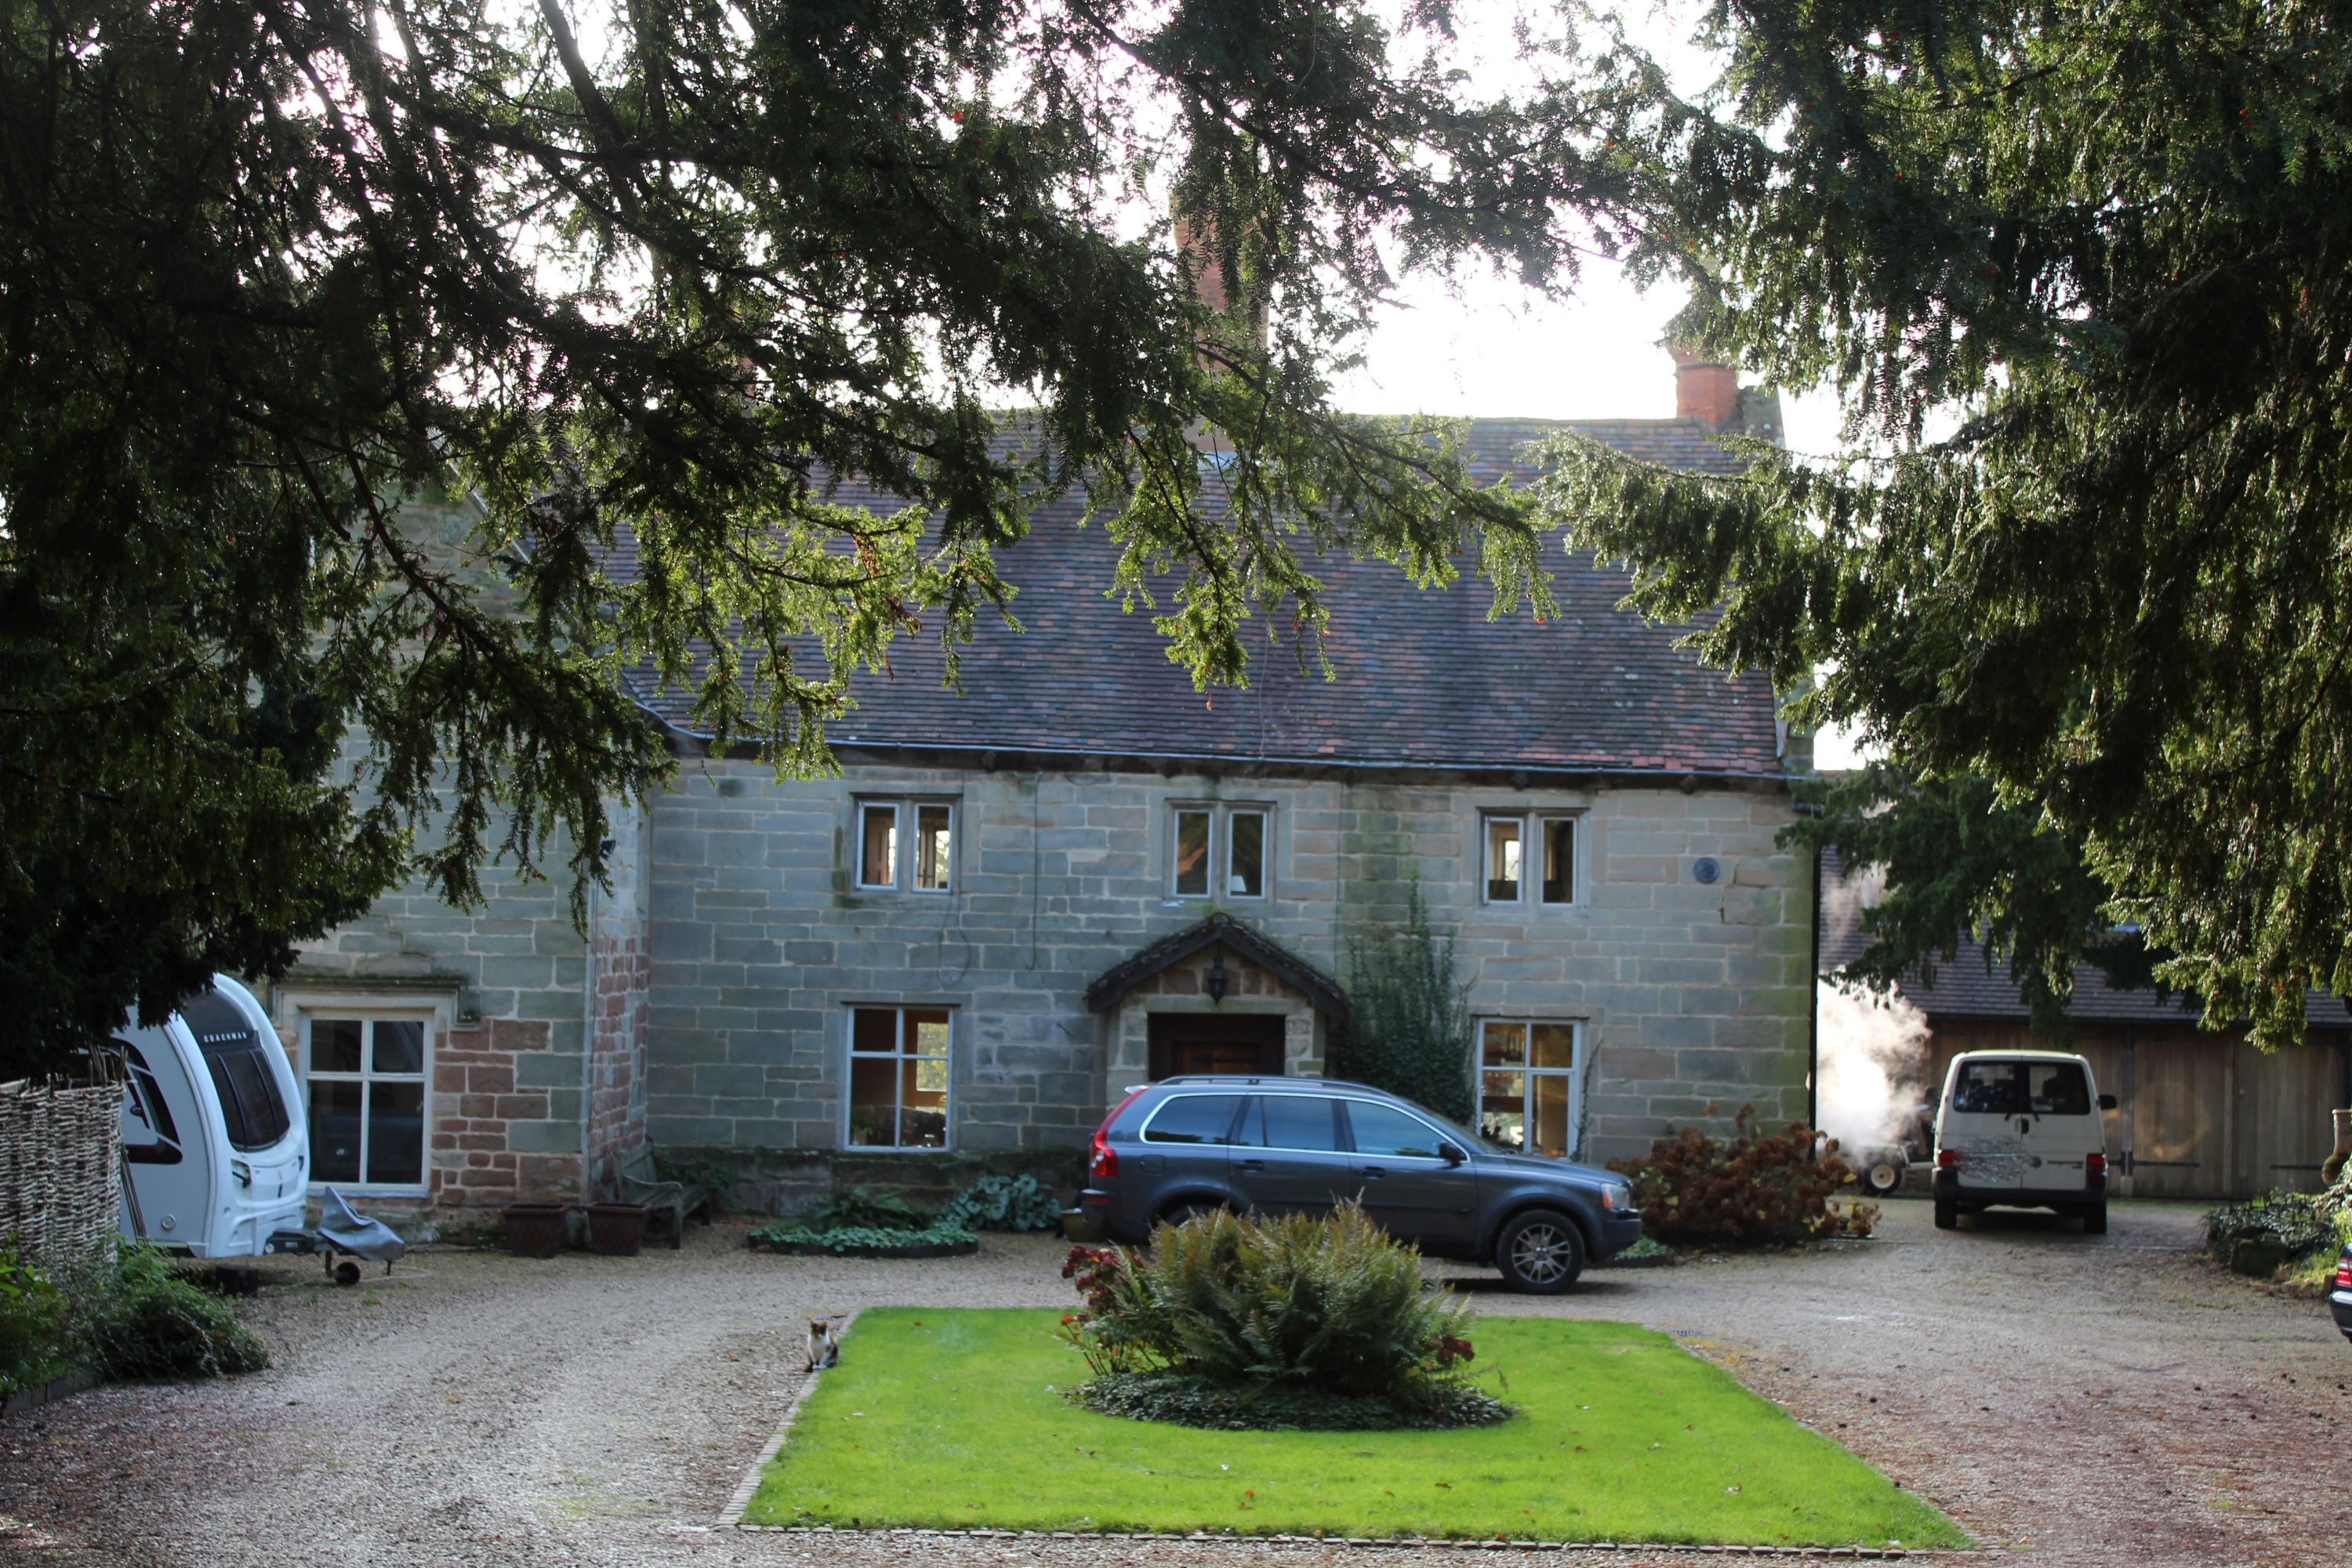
(1705, 391)
(1197, 245)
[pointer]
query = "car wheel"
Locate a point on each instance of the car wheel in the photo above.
(2095, 1220)
(1540, 1254)
(1883, 1177)
(1947, 1215)
(1182, 1213)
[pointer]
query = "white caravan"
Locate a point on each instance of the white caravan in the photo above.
(213, 1135)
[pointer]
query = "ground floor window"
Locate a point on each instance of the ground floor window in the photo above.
(1526, 1084)
(365, 1077)
(898, 1077)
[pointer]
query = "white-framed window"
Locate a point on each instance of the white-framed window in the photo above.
(1526, 858)
(1528, 1084)
(366, 1079)
(899, 1063)
(1221, 851)
(906, 845)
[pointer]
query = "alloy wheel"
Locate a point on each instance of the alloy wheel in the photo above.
(1542, 1253)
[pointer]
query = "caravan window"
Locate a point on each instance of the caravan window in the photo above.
(250, 1103)
(150, 1137)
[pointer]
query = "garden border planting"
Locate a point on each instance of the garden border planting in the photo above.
(1371, 1542)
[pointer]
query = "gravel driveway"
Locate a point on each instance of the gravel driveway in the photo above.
(2084, 1400)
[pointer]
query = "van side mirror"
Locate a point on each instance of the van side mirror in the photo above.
(1451, 1155)
(2108, 1102)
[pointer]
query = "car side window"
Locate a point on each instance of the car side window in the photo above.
(1386, 1131)
(1194, 1118)
(1987, 1089)
(1303, 1121)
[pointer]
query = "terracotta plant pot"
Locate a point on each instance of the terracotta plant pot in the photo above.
(616, 1230)
(534, 1230)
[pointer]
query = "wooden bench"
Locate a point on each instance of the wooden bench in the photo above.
(639, 1185)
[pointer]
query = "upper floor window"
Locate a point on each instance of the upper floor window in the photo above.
(1221, 851)
(1529, 854)
(905, 844)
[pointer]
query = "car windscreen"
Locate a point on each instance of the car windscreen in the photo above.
(250, 1103)
(1193, 1118)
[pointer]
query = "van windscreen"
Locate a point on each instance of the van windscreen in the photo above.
(2021, 1089)
(2056, 1089)
(1988, 1089)
(250, 1103)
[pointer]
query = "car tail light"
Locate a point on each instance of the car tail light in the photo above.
(2344, 1272)
(2094, 1171)
(1104, 1165)
(1948, 1159)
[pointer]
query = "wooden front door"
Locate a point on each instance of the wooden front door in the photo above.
(1246, 1042)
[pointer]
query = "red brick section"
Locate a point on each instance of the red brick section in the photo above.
(616, 1065)
(474, 1102)
(1705, 391)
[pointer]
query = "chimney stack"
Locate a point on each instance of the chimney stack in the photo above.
(1705, 391)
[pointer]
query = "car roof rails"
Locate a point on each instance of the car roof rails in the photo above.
(1281, 1078)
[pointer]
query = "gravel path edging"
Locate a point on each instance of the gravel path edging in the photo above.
(1417, 1543)
(740, 1503)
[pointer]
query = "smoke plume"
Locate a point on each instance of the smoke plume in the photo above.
(1873, 1064)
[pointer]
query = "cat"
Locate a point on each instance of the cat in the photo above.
(823, 1343)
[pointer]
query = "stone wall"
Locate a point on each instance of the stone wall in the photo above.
(1694, 997)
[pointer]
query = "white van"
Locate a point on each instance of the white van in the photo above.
(213, 1135)
(2022, 1130)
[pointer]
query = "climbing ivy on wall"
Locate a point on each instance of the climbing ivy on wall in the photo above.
(1408, 1028)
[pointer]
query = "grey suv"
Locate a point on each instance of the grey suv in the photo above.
(1286, 1145)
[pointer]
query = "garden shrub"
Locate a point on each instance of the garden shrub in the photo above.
(856, 1237)
(31, 1316)
(861, 1209)
(2295, 1224)
(1274, 1322)
(136, 1321)
(1768, 1188)
(1004, 1202)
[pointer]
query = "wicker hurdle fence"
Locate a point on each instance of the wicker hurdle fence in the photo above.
(60, 1171)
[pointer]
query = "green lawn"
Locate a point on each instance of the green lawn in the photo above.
(954, 1420)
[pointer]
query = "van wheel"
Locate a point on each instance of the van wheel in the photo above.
(2095, 1220)
(1539, 1253)
(1947, 1215)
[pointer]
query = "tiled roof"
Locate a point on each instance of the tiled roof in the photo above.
(1964, 988)
(1423, 678)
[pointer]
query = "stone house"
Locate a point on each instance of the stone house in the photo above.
(1015, 903)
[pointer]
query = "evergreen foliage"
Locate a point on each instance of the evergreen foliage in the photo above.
(271, 268)
(2109, 246)
(1954, 861)
(32, 1311)
(1408, 1028)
